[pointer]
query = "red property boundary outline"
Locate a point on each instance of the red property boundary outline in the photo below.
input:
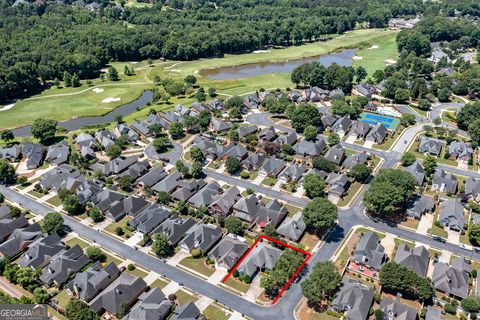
(285, 287)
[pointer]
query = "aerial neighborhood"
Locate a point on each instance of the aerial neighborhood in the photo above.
(304, 160)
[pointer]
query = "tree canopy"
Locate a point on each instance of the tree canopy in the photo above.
(322, 283)
(320, 214)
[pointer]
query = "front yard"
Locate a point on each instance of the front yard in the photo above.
(184, 297)
(237, 284)
(215, 312)
(54, 201)
(159, 283)
(197, 265)
(352, 191)
(111, 228)
(269, 181)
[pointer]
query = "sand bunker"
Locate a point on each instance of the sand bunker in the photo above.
(373, 47)
(357, 58)
(98, 90)
(111, 99)
(7, 107)
(390, 61)
(175, 70)
(261, 51)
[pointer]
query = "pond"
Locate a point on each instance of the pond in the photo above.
(77, 123)
(343, 58)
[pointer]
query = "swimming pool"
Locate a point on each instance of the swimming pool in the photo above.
(373, 118)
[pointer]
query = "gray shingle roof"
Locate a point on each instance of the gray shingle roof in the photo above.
(445, 182)
(58, 153)
(416, 259)
(450, 279)
(228, 251)
(369, 251)
(416, 169)
(354, 159)
(272, 167)
(292, 227)
(152, 177)
(8, 225)
(63, 265)
(394, 309)
(336, 154)
(262, 257)
(378, 133)
(224, 202)
(152, 305)
(150, 218)
(430, 145)
(205, 196)
(452, 214)
(202, 237)
(41, 251)
(175, 228)
(19, 239)
(420, 205)
(355, 298)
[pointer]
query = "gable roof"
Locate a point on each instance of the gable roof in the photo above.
(444, 181)
(354, 159)
(201, 236)
(41, 251)
(127, 206)
(336, 154)
(394, 309)
(152, 305)
(430, 145)
(292, 227)
(205, 196)
(355, 298)
(416, 169)
(450, 280)
(263, 256)
(377, 133)
(63, 265)
(169, 183)
(228, 251)
(224, 202)
(19, 239)
(8, 225)
(416, 259)
(150, 218)
(369, 251)
(359, 128)
(152, 177)
(254, 161)
(342, 124)
(58, 153)
(310, 148)
(452, 214)
(187, 311)
(175, 228)
(273, 166)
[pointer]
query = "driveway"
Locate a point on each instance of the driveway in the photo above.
(453, 237)
(426, 223)
(389, 244)
(351, 139)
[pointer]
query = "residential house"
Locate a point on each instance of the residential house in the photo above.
(444, 182)
(460, 150)
(292, 228)
(174, 228)
(289, 138)
(188, 189)
(430, 145)
(228, 252)
(205, 196)
(147, 220)
(254, 161)
(363, 89)
(34, 154)
(251, 102)
(267, 134)
(472, 188)
(169, 183)
(217, 104)
(328, 121)
(359, 129)
(9, 225)
(394, 309)
(354, 159)
(223, 203)
(452, 280)
(11, 153)
(420, 205)
(63, 265)
(62, 177)
(151, 305)
(247, 130)
(85, 140)
(452, 214)
(41, 251)
(123, 129)
(338, 184)
(115, 166)
(20, 239)
(201, 236)
(354, 298)
(446, 71)
(272, 167)
(106, 138)
(210, 149)
(292, 173)
(336, 93)
(309, 148)
(254, 211)
(142, 128)
(58, 153)
(369, 252)
(260, 258)
(336, 154)
(377, 134)
(219, 125)
(131, 206)
(417, 171)
(187, 311)
(416, 259)
(435, 314)
(342, 125)
(235, 150)
(151, 178)
(107, 198)
(124, 290)
(136, 170)
(87, 284)
(156, 119)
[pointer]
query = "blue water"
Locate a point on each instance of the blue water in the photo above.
(373, 119)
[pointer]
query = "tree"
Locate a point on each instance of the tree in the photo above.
(429, 165)
(378, 76)
(360, 172)
(118, 118)
(474, 234)
(67, 79)
(125, 183)
(7, 171)
(320, 214)
(314, 185)
(234, 102)
(437, 121)
(324, 165)
(7, 135)
(161, 144)
(44, 129)
(233, 165)
(155, 129)
(204, 118)
(212, 92)
(52, 223)
(176, 130)
(190, 79)
(333, 139)
(395, 277)
(75, 81)
(305, 115)
(113, 151)
(196, 154)
(164, 197)
(342, 108)
(310, 132)
(424, 104)
(96, 215)
(72, 205)
(288, 149)
(200, 96)
(361, 73)
(402, 95)
(27, 278)
(196, 169)
(79, 310)
(182, 168)
(474, 130)
(322, 283)
(160, 245)
(389, 191)
(112, 74)
(443, 94)
(407, 159)
(471, 304)
(41, 295)
(468, 114)
(234, 225)
(407, 119)
(94, 253)
(235, 113)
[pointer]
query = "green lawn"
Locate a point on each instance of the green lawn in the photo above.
(253, 175)
(35, 194)
(352, 191)
(269, 181)
(122, 224)
(184, 297)
(437, 231)
(237, 284)
(214, 165)
(74, 241)
(365, 230)
(418, 110)
(389, 140)
(138, 272)
(54, 201)
(292, 210)
(410, 223)
(159, 283)
(214, 312)
(62, 297)
(197, 265)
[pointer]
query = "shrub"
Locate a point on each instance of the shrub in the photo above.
(196, 253)
(450, 308)
(244, 175)
(236, 273)
(119, 231)
(130, 267)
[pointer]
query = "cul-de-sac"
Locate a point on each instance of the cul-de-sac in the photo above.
(240, 159)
